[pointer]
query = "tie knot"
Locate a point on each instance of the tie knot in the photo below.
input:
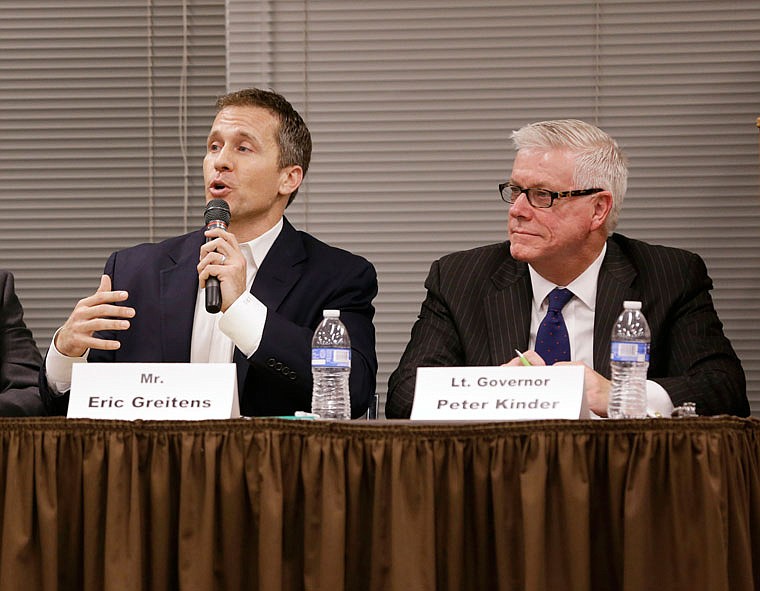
(558, 297)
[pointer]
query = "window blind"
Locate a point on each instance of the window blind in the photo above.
(411, 104)
(104, 110)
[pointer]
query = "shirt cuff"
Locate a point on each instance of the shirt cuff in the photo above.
(58, 368)
(243, 323)
(659, 403)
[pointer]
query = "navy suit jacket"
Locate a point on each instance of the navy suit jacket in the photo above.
(19, 357)
(299, 278)
(478, 309)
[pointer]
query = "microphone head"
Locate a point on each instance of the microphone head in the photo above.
(217, 210)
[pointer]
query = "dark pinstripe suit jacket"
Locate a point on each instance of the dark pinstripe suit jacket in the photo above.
(477, 312)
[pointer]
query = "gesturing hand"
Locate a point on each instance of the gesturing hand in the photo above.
(94, 313)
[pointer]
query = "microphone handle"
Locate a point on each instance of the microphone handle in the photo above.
(213, 295)
(213, 289)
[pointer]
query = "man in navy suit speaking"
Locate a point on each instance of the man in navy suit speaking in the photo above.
(565, 193)
(275, 281)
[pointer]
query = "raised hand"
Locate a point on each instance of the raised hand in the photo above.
(94, 313)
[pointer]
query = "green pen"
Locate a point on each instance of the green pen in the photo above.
(523, 359)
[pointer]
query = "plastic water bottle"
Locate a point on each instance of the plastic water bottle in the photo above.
(330, 368)
(629, 360)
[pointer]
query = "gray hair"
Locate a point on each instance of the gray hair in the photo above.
(599, 161)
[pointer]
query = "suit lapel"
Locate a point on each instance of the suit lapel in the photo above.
(279, 272)
(507, 310)
(178, 293)
(281, 268)
(613, 287)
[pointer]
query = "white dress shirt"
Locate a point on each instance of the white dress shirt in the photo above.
(579, 318)
(215, 336)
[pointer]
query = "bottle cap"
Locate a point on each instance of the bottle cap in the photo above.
(331, 313)
(632, 305)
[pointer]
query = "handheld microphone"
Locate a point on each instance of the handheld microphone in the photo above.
(217, 215)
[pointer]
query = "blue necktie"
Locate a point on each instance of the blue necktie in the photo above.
(552, 341)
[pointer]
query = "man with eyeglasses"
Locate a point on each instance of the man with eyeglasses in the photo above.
(565, 193)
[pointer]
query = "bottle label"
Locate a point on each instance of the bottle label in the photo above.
(631, 352)
(331, 358)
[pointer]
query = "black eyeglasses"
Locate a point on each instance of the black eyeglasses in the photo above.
(541, 198)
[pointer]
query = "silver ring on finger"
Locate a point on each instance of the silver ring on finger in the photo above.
(224, 258)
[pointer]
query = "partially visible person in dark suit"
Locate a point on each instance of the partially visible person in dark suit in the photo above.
(275, 280)
(565, 194)
(20, 359)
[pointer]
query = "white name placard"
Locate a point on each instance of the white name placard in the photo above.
(157, 391)
(499, 393)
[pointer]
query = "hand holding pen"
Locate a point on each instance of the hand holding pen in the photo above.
(523, 359)
(528, 358)
(596, 387)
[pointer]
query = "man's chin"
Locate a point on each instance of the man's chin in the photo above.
(520, 252)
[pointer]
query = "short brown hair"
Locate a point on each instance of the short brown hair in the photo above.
(293, 137)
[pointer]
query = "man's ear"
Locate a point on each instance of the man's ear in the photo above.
(602, 209)
(291, 179)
